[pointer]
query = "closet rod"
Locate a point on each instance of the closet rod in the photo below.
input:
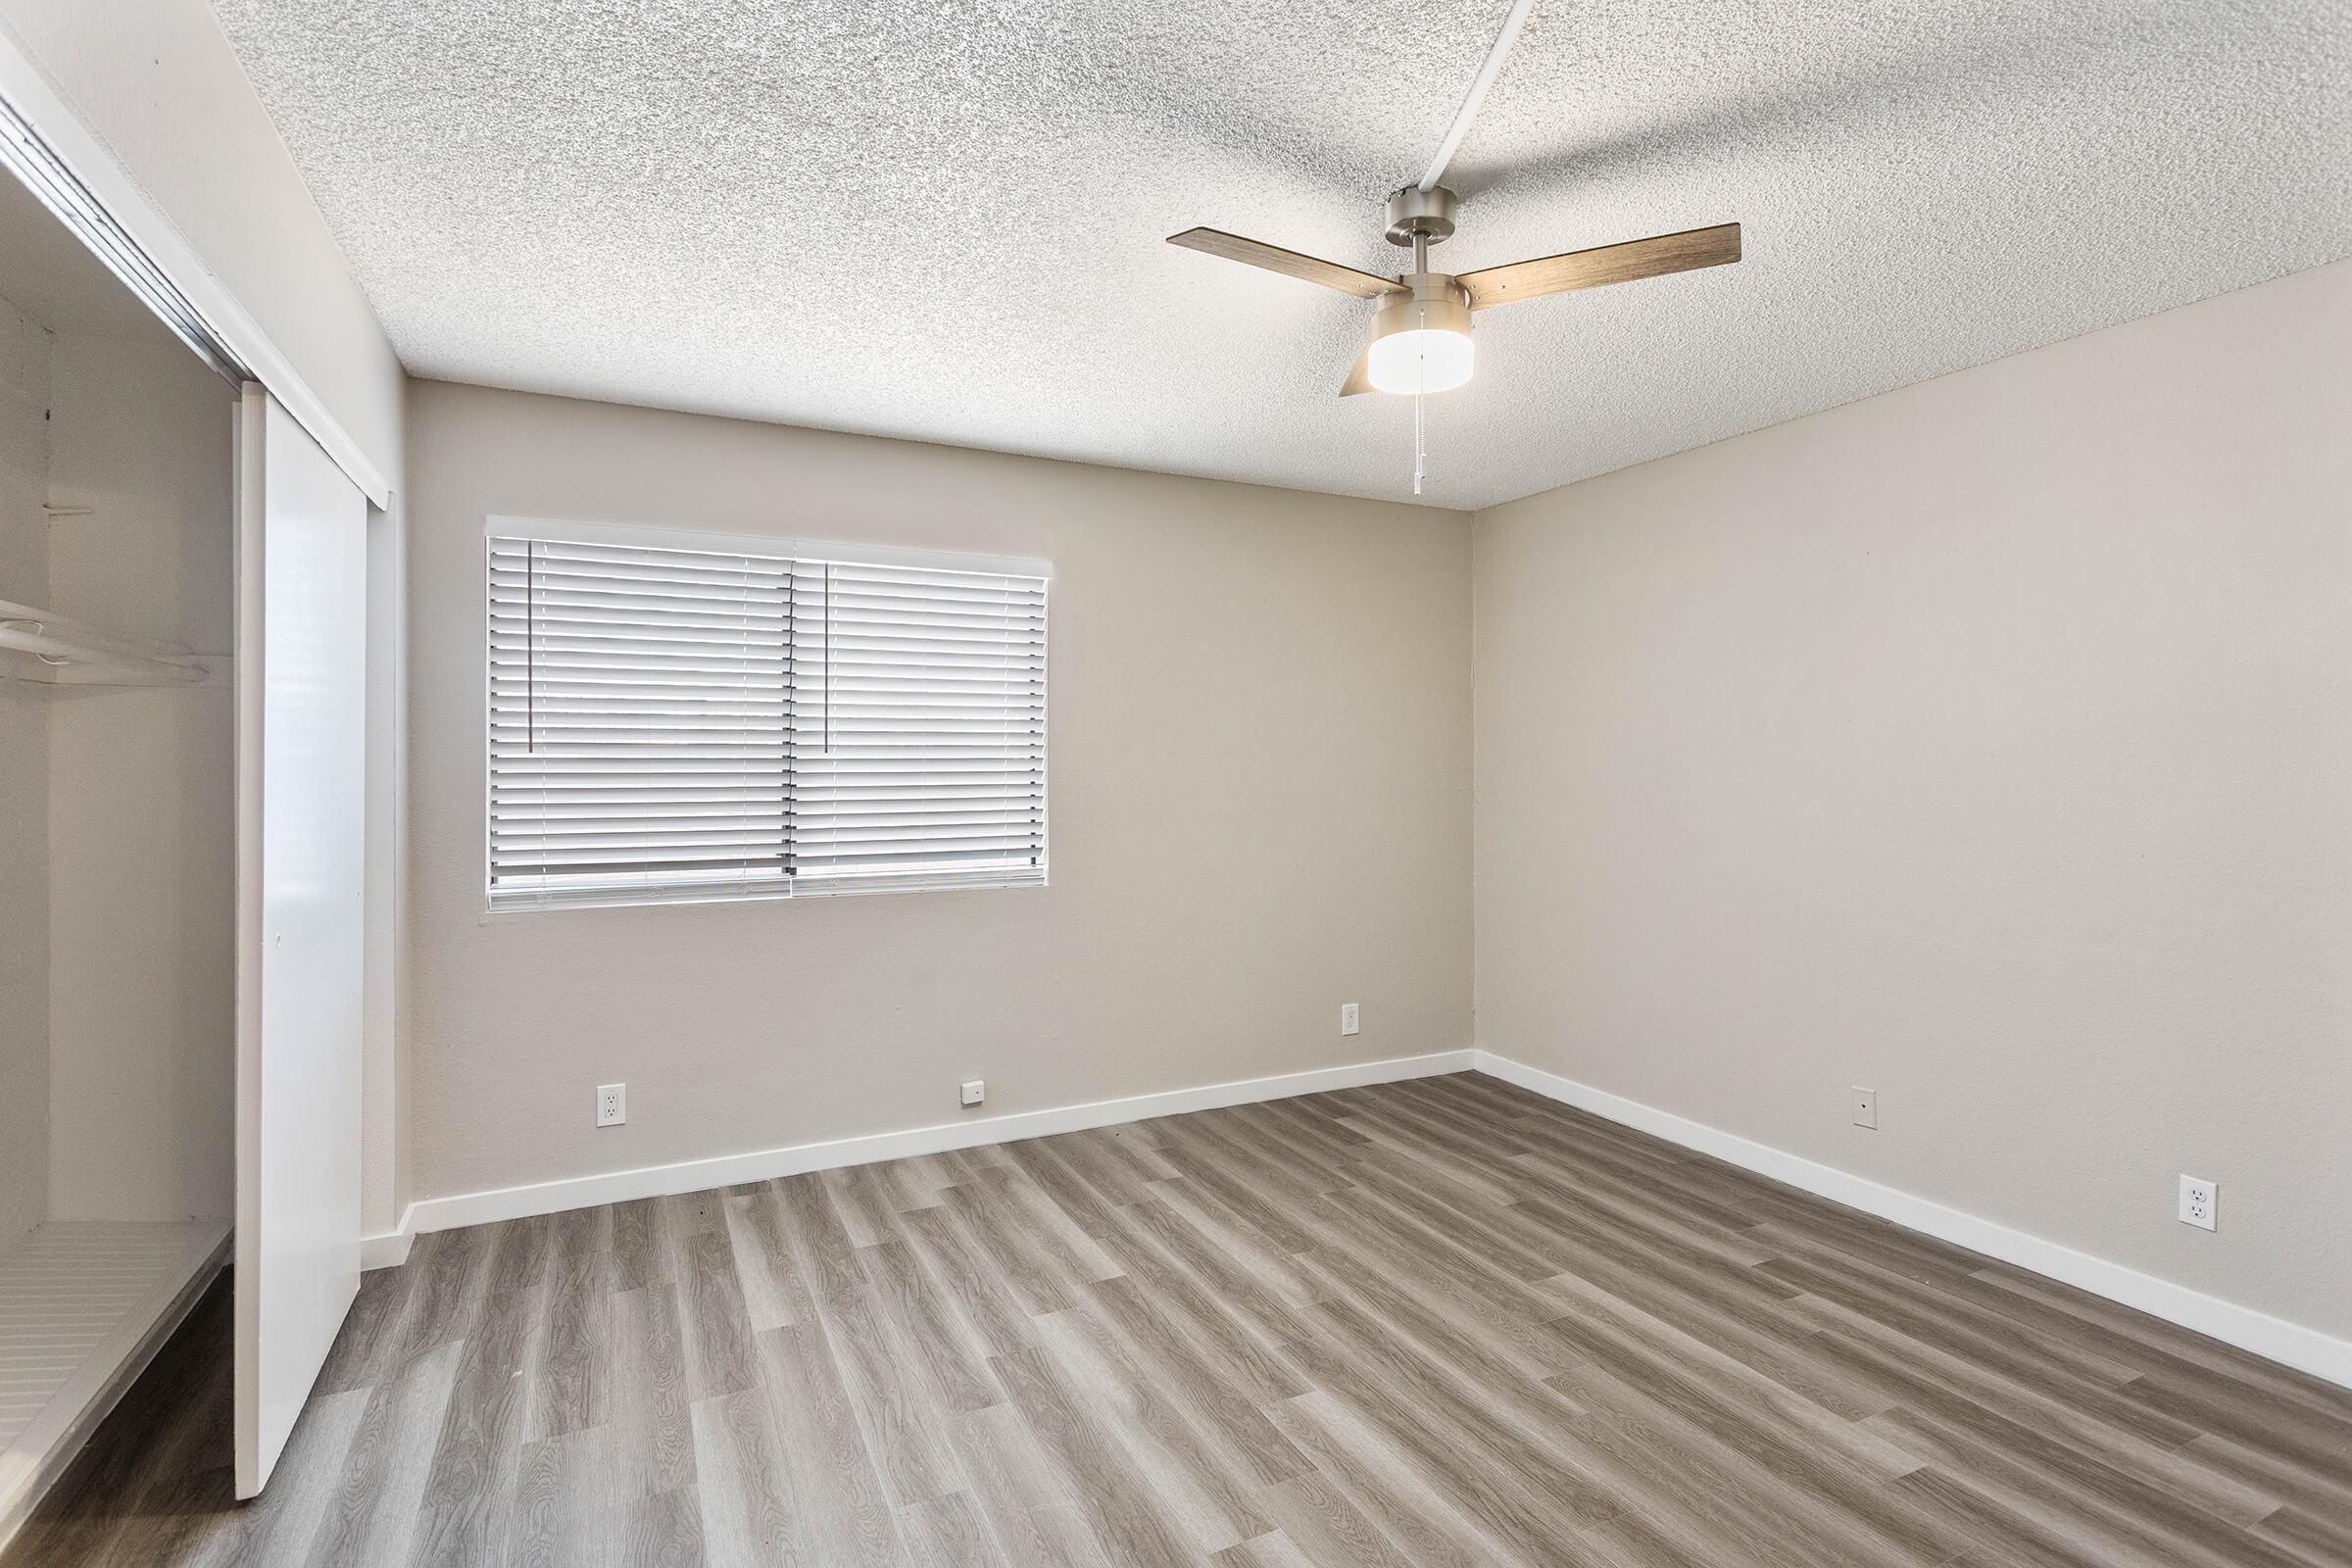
(27, 629)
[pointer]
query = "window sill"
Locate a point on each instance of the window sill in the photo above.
(643, 898)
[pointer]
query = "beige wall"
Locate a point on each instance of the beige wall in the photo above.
(1987, 743)
(1260, 775)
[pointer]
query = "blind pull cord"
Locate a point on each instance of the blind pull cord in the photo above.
(791, 792)
(530, 647)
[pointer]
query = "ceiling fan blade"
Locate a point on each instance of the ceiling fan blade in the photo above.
(1359, 379)
(1602, 264)
(1274, 258)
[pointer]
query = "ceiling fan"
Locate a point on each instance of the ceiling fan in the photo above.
(1421, 329)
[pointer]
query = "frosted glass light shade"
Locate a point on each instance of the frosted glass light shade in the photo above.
(1421, 359)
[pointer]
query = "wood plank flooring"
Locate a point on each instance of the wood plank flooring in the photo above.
(1438, 1323)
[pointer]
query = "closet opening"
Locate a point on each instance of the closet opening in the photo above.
(118, 839)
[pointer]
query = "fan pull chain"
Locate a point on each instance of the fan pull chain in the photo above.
(1420, 430)
(1420, 446)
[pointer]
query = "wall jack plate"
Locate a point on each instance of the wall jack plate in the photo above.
(611, 1105)
(1866, 1107)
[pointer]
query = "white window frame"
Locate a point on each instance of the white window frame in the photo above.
(656, 537)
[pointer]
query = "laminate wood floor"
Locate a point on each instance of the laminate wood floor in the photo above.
(1435, 1323)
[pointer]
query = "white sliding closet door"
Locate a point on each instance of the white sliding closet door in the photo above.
(301, 617)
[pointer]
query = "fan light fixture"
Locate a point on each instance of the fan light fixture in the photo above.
(1421, 342)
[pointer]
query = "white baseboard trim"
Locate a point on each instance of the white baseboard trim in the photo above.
(698, 1175)
(2273, 1339)
(390, 1249)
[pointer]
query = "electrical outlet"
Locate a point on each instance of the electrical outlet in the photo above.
(975, 1090)
(1866, 1107)
(1347, 1017)
(611, 1105)
(2200, 1201)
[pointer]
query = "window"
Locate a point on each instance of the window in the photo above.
(674, 716)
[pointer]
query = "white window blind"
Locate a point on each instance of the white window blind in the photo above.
(694, 723)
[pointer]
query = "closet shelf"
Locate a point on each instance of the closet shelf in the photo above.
(64, 652)
(83, 1304)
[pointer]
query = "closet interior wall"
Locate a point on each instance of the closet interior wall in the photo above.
(118, 870)
(117, 840)
(23, 788)
(142, 793)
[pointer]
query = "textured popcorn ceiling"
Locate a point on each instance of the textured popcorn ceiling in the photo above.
(945, 220)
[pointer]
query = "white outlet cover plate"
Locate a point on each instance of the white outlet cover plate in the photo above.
(1866, 1107)
(611, 1105)
(2200, 1201)
(1347, 1017)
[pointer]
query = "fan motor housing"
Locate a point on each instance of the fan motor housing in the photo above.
(1415, 213)
(1433, 300)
